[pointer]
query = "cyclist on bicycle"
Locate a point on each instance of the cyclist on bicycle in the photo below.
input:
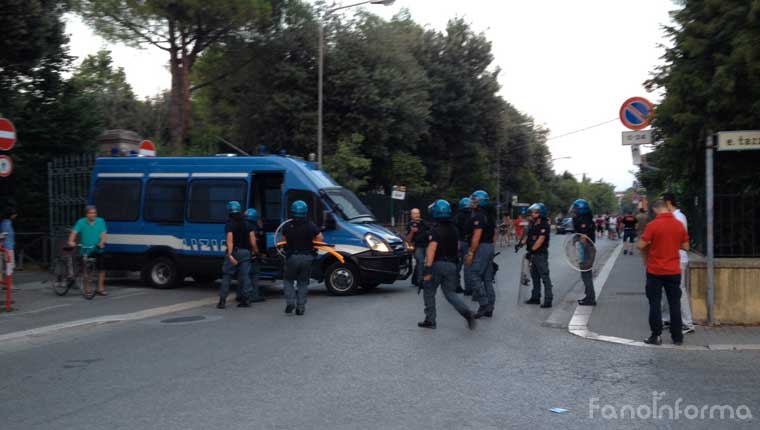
(92, 237)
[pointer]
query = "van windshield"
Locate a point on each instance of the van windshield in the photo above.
(348, 205)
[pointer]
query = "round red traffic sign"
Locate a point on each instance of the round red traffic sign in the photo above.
(6, 166)
(636, 113)
(147, 149)
(7, 135)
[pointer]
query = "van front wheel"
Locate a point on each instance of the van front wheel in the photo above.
(342, 279)
(161, 273)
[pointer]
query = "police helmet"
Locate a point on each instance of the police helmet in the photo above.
(252, 215)
(581, 207)
(440, 209)
(481, 197)
(233, 207)
(465, 203)
(299, 209)
(538, 207)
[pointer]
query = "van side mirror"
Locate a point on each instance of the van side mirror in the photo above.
(330, 222)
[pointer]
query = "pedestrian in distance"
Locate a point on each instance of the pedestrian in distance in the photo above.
(252, 218)
(481, 231)
(537, 242)
(642, 219)
(6, 227)
(599, 227)
(299, 234)
(440, 268)
(93, 234)
(520, 224)
(237, 262)
(464, 212)
(583, 223)
(506, 224)
(659, 246)
(688, 324)
(629, 233)
(417, 235)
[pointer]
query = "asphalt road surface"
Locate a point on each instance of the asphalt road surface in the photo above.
(361, 362)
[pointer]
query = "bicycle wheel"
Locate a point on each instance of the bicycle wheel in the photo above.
(59, 277)
(88, 279)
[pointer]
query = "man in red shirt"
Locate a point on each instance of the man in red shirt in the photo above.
(659, 246)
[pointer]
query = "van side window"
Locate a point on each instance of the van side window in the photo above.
(165, 200)
(315, 204)
(118, 199)
(209, 197)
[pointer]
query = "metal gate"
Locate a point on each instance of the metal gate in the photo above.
(68, 185)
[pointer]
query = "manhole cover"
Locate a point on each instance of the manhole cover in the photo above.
(184, 319)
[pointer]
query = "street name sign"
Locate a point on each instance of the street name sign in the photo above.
(641, 137)
(636, 113)
(398, 193)
(739, 140)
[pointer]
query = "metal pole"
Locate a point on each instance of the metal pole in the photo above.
(498, 184)
(710, 207)
(320, 91)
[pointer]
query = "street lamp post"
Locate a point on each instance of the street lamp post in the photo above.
(321, 80)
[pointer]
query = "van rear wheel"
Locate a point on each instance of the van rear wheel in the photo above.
(342, 279)
(161, 273)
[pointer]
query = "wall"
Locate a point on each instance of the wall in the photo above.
(737, 290)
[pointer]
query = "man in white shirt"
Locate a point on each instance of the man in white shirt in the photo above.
(688, 324)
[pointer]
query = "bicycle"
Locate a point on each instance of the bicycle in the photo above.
(65, 274)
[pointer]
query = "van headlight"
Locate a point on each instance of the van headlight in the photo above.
(376, 244)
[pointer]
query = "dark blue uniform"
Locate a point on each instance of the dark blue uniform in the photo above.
(481, 270)
(539, 270)
(242, 253)
(584, 224)
(299, 251)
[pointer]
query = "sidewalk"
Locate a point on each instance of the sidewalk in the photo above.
(623, 310)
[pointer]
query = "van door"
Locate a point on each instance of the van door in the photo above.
(206, 219)
(266, 198)
(164, 213)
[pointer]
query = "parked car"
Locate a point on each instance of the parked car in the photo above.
(566, 226)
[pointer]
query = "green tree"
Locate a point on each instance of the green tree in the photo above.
(409, 171)
(347, 166)
(711, 81)
(182, 28)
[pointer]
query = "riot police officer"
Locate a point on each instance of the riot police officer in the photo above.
(252, 217)
(299, 235)
(440, 266)
(481, 230)
(537, 241)
(240, 242)
(583, 223)
(463, 217)
(417, 234)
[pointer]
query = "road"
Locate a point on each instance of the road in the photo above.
(361, 362)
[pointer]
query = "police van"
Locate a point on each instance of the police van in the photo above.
(166, 218)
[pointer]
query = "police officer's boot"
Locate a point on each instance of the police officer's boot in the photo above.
(289, 309)
(300, 310)
(222, 304)
(482, 312)
(547, 304)
(426, 324)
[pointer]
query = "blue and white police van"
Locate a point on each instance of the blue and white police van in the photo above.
(166, 218)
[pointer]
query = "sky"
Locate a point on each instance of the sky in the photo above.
(567, 64)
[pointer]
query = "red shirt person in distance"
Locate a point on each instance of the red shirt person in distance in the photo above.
(659, 246)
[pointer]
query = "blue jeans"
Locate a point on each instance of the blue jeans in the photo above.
(481, 276)
(297, 271)
(241, 270)
(444, 274)
(254, 275)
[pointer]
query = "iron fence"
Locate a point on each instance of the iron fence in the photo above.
(68, 185)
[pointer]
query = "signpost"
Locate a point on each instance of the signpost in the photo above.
(6, 166)
(636, 113)
(398, 193)
(636, 154)
(147, 149)
(7, 135)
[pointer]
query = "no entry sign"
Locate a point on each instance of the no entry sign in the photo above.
(6, 166)
(636, 113)
(147, 149)
(7, 135)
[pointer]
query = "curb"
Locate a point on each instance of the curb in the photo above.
(579, 322)
(148, 313)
